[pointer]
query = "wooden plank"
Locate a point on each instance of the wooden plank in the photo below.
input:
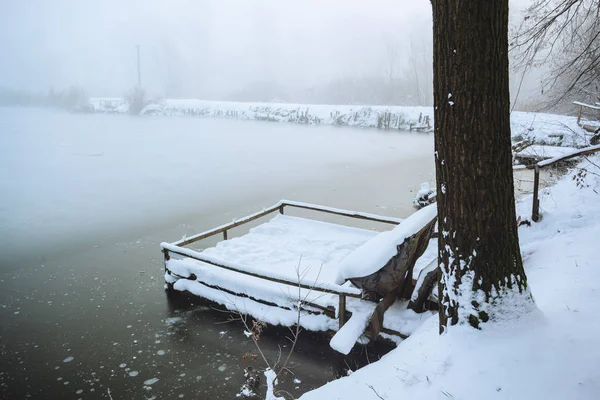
(279, 207)
(322, 310)
(580, 104)
(222, 228)
(577, 153)
(345, 213)
(342, 310)
(330, 313)
(535, 212)
(393, 332)
(351, 292)
(166, 256)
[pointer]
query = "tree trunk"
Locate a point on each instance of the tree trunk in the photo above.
(479, 254)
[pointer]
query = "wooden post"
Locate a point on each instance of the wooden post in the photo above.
(535, 212)
(342, 310)
(166, 256)
(224, 235)
(281, 207)
(579, 114)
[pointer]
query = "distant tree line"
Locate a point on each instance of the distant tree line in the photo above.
(373, 90)
(73, 98)
(405, 78)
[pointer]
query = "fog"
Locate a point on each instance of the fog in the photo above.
(200, 49)
(264, 50)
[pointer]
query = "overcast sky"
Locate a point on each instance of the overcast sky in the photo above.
(201, 48)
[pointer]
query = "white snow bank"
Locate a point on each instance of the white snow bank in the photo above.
(553, 353)
(375, 253)
(538, 128)
(389, 117)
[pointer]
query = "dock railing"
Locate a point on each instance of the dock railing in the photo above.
(342, 292)
(581, 106)
(325, 287)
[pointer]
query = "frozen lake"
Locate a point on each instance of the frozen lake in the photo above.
(86, 199)
(67, 177)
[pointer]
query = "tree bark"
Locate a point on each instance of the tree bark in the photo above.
(479, 255)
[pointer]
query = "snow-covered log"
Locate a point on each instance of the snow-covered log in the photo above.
(394, 279)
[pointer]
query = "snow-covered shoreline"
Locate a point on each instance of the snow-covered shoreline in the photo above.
(383, 117)
(551, 353)
(535, 128)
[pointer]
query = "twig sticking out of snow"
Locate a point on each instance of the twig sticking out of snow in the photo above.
(374, 391)
(256, 329)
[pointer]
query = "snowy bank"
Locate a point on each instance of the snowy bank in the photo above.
(386, 117)
(552, 353)
(535, 128)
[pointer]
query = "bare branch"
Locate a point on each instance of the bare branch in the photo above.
(564, 34)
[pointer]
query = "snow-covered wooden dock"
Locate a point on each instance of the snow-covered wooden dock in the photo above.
(289, 263)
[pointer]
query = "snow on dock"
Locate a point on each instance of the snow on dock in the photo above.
(281, 248)
(289, 261)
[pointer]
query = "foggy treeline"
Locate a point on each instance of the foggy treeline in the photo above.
(264, 51)
(71, 98)
(404, 78)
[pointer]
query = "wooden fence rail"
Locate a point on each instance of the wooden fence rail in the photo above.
(280, 206)
(535, 211)
(584, 105)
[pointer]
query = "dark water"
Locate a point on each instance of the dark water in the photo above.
(83, 312)
(113, 318)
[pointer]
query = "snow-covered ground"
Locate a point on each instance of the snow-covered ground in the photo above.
(552, 353)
